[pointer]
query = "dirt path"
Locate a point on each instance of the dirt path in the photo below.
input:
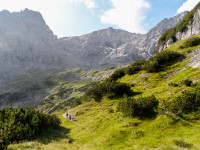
(72, 118)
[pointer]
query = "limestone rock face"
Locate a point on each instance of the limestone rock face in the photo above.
(26, 40)
(112, 47)
(195, 59)
(190, 30)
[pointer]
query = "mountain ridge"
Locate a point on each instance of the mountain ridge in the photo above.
(27, 41)
(32, 45)
(120, 49)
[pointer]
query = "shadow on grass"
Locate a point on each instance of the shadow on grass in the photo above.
(136, 93)
(46, 136)
(148, 117)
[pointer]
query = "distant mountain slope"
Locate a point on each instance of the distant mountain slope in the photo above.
(116, 47)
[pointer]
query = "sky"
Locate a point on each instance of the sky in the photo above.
(68, 18)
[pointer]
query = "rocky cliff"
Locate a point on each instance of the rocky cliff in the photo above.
(189, 26)
(26, 40)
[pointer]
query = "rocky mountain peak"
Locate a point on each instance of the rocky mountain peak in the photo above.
(114, 47)
(26, 41)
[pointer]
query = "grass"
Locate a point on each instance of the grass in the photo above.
(100, 129)
(74, 83)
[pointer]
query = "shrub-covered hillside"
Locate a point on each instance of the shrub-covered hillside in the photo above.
(22, 124)
(151, 104)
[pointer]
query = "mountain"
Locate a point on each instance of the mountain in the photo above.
(113, 47)
(30, 53)
(26, 42)
(25, 39)
(189, 26)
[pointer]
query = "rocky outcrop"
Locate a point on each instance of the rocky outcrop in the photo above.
(190, 30)
(195, 59)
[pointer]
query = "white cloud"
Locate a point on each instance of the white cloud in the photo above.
(188, 5)
(127, 14)
(88, 3)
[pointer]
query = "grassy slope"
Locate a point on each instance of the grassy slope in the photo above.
(103, 128)
(73, 83)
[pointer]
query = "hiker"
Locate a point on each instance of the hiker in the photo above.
(67, 115)
(70, 117)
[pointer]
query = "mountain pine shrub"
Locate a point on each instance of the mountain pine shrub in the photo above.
(142, 107)
(23, 124)
(107, 87)
(135, 67)
(184, 103)
(187, 82)
(119, 73)
(193, 41)
(161, 60)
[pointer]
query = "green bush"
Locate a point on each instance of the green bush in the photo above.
(135, 67)
(23, 124)
(119, 73)
(193, 41)
(187, 82)
(154, 64)
(77, 102)
(184, 103)
(107, 88)
(160, 60)
(126, 106)
(196, 85)
(144, 106)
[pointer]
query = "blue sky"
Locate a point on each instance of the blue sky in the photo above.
(78, 17)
